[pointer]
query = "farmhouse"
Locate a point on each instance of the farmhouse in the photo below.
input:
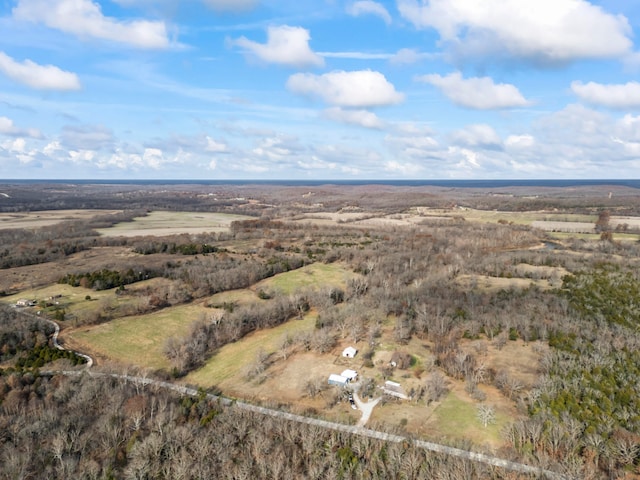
(349, 352)
(338, 380)
(25, 303)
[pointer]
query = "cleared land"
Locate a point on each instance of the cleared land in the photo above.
(46, 218)
(228, 368)
(314, 276)
(137, 340)
(162, 223)
(525, 276)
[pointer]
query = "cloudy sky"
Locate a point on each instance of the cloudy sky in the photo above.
(319, 89)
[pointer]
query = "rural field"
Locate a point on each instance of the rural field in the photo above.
(172, 223)
(47, 218)
(466, 317)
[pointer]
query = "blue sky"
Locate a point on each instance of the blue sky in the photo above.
(319, 89)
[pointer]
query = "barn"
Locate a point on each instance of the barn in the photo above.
(338, 380)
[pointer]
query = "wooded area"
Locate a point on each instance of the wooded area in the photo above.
(432, 281)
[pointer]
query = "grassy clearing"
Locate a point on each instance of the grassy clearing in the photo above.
(73, 300)
(316, 275)
(457, 418)
(242, 296)
(493, 284)
(230, 362)
(594, 237)
(70, 299)
(139, 340)
(69, 294)
(173, 223)
(521, 218)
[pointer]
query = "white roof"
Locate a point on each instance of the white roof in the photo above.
(350, 374)
(338, 378)
(349, 351)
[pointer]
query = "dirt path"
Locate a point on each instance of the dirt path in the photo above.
(365, 408)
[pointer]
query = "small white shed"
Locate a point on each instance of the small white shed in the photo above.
(352, 375)
(349, 352)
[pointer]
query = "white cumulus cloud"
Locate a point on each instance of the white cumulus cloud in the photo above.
(363, 118)
(480, 93)
(216, 147)
(39, 77)
(285, 46)
(84, 18)
(405, 169)
(520, 141)
(153, 157)
(547, 31)
(479, 135)
(7, 127)
(359, 89)
(628, 127)
(368, 7)
(625, 95)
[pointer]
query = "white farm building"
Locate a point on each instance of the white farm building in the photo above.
(349, 374)
(349, 352)
(338, 380)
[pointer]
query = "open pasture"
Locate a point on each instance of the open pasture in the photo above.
(227, 368)
(138, 340)
(30, 220)
(314, 276)
(162, 223)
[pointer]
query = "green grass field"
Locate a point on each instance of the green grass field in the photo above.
(316, 275)
(139, 340)
(230, 361)
(73, 300)
(458, 416)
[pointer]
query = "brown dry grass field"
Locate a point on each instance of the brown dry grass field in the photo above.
(162, 223)
(47, 218)
(557, 224)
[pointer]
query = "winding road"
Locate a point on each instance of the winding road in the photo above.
(54, 339)
(359, 429)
